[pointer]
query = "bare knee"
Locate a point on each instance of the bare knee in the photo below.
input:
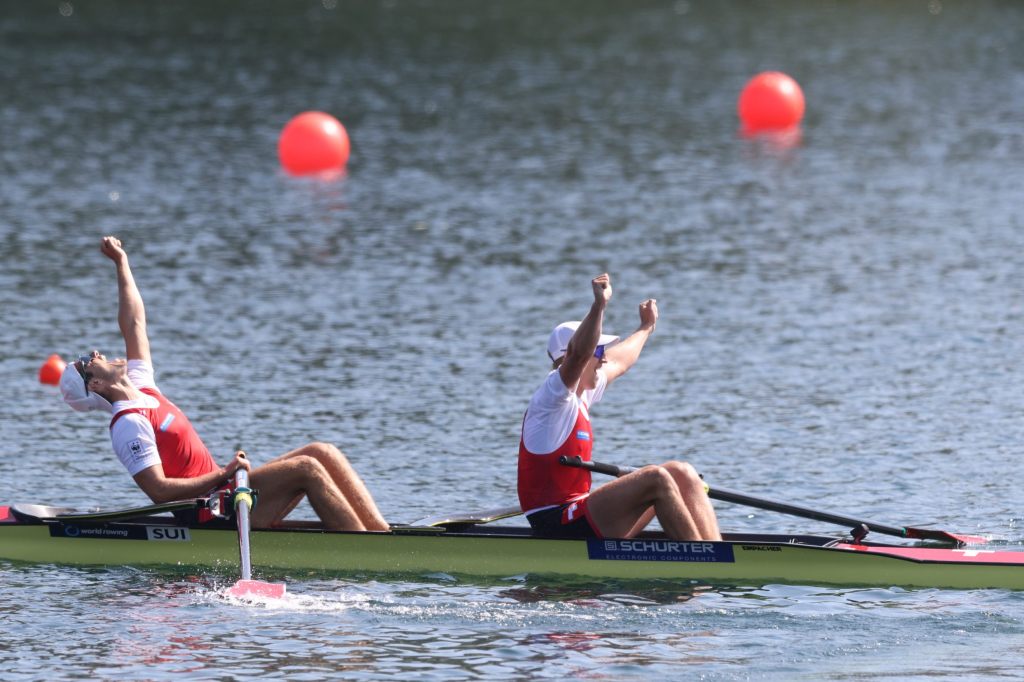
(685, 475)
(325, 452)
(683, 470)
(658, 480)
(312, 469)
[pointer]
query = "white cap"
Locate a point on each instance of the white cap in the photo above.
(558, 342)
(72, 387)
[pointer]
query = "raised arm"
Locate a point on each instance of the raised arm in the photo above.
(584, 340)
(624, 354)
(131, 313)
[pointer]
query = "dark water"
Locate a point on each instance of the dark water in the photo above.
(842, 317)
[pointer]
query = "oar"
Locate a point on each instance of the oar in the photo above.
(716, 493)
(247, 587)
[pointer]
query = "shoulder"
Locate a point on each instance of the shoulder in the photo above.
(552, 412)
(146, 402)
(141, 374)
(550, 399)
(129, 426)
(552, 391)
(134, 443)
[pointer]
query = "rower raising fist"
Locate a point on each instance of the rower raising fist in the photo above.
(602, 286)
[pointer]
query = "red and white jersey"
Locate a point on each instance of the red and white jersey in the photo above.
(557, 423)
(152, 430)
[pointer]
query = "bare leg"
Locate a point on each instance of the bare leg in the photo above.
(619, 507)
(320, 472)
(346, 480)
(641, 523)
(691, 487)
(282, 482)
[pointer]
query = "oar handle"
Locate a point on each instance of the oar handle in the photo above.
(596, 467)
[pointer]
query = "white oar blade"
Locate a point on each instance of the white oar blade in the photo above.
(250, 589)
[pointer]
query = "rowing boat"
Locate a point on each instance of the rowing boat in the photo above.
(472, 545)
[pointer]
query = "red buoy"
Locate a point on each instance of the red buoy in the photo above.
(51, 370)
(313, 142)
(770, 101)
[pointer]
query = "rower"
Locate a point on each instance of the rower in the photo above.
(162, 451)
(558, 500)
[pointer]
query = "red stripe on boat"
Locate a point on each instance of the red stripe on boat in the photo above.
(957, 556)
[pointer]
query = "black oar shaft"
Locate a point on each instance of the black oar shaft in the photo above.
(725, 495)
(792, 509)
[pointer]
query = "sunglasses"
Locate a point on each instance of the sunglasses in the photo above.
(80, 364)
(599, 352)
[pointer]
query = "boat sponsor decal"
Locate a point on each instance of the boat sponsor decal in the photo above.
(97, 531)
(113, 531)
(659, 550)
(173, 533)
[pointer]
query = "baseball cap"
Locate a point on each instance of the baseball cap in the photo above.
(558, 342)
(73, 389)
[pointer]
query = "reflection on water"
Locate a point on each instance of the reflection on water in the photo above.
(127, 623)
(595, 594)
